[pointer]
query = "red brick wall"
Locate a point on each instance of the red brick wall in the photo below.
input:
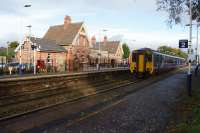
(57, 59)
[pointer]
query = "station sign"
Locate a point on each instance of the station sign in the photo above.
(183, 43)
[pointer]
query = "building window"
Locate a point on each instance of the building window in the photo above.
(49, 58)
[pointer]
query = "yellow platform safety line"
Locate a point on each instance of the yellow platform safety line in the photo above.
(132, 67)
(141, 63)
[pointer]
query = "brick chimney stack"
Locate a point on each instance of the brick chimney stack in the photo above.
(105, 39)
(93, 40)
(67, 21)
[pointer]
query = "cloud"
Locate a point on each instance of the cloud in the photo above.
(124, 19)
(116, 38)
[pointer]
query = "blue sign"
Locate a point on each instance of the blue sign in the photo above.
(183, 43)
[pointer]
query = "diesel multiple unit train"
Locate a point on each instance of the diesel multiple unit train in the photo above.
(147, 62)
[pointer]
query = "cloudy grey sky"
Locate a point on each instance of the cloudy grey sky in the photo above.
(124, 19)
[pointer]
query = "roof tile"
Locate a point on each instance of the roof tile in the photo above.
(61, 35)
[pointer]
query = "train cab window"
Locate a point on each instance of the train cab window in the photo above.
(134, 57)
(149, 58)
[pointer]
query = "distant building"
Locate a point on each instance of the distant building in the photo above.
(110, 51)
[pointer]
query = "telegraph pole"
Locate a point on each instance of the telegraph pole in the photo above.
(197, 45)
(34, 57)
(189, 74)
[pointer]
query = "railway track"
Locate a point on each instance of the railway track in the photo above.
(71, 110)
(67, 91)
(73, 89)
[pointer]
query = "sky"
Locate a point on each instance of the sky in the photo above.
(133, 21)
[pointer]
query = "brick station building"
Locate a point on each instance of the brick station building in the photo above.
(63, 47)
(48, 53)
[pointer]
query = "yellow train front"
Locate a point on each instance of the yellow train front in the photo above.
(147, 62)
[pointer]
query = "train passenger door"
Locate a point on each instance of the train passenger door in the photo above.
(141, 63)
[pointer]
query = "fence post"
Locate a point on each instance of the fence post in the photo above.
(196, 70)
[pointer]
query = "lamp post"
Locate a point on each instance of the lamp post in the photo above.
(34, 57)
(99, 54)
(33, 46)
(7, 51)
(104, 30)
(197, 45)
(29, 48)
(189, 75)
(197, 41)
(20, 48)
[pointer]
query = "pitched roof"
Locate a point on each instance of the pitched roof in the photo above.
(61, 35)
(110, 46)
(47, 45)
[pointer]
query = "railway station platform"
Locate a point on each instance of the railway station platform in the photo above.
(38, 75)
(145, 106)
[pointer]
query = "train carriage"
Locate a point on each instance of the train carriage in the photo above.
(146, 61)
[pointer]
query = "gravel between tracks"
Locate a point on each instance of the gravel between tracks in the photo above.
(146, 111)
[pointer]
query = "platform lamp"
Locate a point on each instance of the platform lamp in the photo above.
(104, 32)
(20, 48)
(197, 44)
(189, 74)
(7, 51)
(29, 50)
(99, 53)
(34, 48)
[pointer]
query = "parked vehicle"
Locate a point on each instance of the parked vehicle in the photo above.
(2, 65)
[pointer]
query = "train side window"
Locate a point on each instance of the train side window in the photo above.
(156, 58)
(161, 59)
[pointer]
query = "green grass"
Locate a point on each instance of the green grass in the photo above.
(190, 112)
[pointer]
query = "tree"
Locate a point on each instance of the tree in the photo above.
(126, 51)
(13, 44)
(176, 9)
(172, 51)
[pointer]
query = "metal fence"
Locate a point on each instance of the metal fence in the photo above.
(13, 69)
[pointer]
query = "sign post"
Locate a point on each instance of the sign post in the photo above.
(189, 75)
(184, 44)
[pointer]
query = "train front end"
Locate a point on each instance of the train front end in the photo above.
(141, 62)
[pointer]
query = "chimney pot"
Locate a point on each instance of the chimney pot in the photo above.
(67, 21)
(93, 40)
(105, 39)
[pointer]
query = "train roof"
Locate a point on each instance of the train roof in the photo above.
(156, 52)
